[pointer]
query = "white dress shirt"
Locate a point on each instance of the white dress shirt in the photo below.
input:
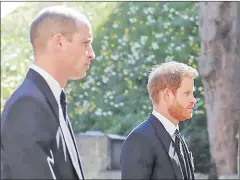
(168, 125)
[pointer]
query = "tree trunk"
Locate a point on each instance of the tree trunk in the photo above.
(219, 69)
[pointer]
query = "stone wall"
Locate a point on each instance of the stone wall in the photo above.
(100, 156)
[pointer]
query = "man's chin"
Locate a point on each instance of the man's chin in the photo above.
(78, 77)
(189, 116)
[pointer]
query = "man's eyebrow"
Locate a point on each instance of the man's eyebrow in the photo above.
(89, 39)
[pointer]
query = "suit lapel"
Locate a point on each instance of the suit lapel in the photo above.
(45, 89)
(70, 145)
(75, 144)
(167, 142)
(189, 159)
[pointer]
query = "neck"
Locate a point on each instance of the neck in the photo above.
(52, 68)
(163, 110)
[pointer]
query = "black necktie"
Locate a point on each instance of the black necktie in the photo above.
(63, 103)
(178, 143)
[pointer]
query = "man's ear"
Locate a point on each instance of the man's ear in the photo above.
(168, 95)
(57, 41)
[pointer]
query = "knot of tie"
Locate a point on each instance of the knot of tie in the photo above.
(177, 133)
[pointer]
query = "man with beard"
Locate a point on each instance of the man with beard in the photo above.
(155, 149)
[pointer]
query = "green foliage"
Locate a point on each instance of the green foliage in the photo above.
(130, 37)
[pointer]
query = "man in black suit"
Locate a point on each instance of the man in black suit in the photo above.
(37, 141)
(155, 149)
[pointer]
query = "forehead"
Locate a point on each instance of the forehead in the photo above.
(187, 84)
(84, 31)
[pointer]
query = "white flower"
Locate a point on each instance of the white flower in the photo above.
(105, 80)
(200, 88)
(185, 17)
(191, 18)
(159, 35)
(166, 24)
(109, 113)
(114, 57)
(99, 58)
(104, 47)
(107, 69)
(190, 38)
(125, 38)
(131, 20)
(105, 37)
(143, 39)
(178, 48)
(145, 11)
(13, 68)
(168, 59)
(133, 9)
(81, 96)
(170, 16)
(172, 10)
(150, 10)
(121, 104)
(190, 60)
(115, 25)
(165, 7)
(98, 112)
(155, 46)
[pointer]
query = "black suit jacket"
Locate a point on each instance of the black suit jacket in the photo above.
(33, 144)
(149, 153)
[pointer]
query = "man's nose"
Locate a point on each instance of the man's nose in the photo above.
(91, 54)
(194, 100)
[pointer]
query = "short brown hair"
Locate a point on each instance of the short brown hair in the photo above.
(168, 75)
(53, 20)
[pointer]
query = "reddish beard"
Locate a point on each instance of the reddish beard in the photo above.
(178, 112)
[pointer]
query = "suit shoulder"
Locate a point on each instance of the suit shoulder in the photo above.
(145, 128)
(26, 90)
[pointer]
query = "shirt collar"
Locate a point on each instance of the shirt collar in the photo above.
(51, 81)
(168, 125)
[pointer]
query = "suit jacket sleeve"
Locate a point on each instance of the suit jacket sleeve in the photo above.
(136, 157)
(27, 136)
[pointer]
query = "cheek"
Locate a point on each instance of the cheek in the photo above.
(183, 101)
